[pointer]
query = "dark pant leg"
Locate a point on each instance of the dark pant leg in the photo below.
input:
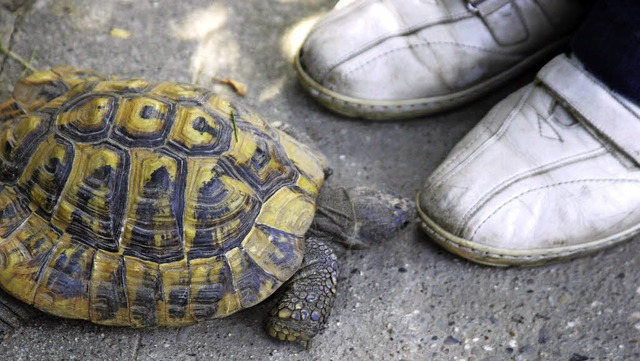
(608, 44)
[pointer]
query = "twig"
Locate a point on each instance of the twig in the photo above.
(17, 58)
(32, 58)
(235, 127)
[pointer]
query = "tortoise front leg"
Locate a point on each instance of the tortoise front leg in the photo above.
(307, 298)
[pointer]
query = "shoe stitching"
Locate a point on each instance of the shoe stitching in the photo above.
(400, 108)
(464, 220)
(451, 17)
(547, 122)
(427, 44)
(549, 257)
(495, 136)
(417, 107)
(532, 190)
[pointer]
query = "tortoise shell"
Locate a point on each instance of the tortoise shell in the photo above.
(130, 203)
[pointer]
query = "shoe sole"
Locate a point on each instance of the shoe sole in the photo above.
(498, 257)
(382, 110)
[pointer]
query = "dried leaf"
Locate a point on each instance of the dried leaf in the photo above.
(239, 87)
(120, 33)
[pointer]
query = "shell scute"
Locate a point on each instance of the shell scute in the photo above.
(153, 224)
(64, 281)
(122, 86)
(143, 121)
(199, 132)
(143, 289)
(212, 293)
(14, 209)
(107, 292)
(87, 118)
(89, 208)
(23, 254)
(19, 138)
(176, 292)
(220, 209)
(261, 162)
(46, 174)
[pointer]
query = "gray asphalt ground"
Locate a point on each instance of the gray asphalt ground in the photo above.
(403, 300)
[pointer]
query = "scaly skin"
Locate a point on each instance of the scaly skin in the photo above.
(307, 298)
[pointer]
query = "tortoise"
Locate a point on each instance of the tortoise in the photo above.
(130, 203)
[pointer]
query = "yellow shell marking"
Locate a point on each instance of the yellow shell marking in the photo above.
(220, 106)
(121, 85)
(88, 116)
(246, 278)
(14, 210)
(287, 211)
(194, 128)
(310, 163)
(26, 91)
(176, 91)
(142, 117)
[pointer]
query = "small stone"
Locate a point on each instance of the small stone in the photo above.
(544, 335)
(402, 270)
(528, 350)
(450, 340)
(635, 316)
(578, 357)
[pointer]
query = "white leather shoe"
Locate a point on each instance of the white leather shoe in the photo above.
(391, 59)
(552, 172)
